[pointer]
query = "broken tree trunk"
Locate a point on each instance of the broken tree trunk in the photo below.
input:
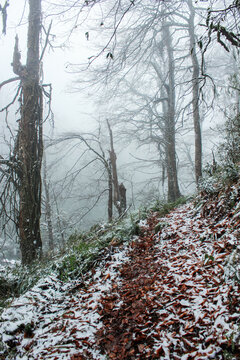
(119, 192)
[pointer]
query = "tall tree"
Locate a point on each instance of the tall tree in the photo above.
(170, 132)
(195, 93)
(26, 159)
(29, 142)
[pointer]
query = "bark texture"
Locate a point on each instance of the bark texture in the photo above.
(48, 210)
(170, 131)
(119, 191)
(195, 95)
(110, 193)
(30, 144)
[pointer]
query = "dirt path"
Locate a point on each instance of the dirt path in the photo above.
(173, 301)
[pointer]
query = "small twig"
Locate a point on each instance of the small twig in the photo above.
(46, 42)
(93, 58)
(19, 305)
(13, 101)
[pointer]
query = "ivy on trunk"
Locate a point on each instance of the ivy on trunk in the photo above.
(29, 146)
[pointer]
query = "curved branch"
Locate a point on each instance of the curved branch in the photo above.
(16, 78)
(13, 100)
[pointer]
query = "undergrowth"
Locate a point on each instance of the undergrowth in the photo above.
(83, 251)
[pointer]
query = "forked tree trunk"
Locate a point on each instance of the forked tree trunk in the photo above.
(30, 145)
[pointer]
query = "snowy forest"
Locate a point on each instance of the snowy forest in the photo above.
(120, 179)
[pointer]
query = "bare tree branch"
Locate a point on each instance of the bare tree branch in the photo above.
(16, 78)
(13, 100)
(46, 41)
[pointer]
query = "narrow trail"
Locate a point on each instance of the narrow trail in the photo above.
(175, 303)
(168, 295)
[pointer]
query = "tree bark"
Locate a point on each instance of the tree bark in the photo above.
(195, 95)
(173, 187)
(60, 227)
(119, 198)
(30, 144)
(48, 211)
(110, 193)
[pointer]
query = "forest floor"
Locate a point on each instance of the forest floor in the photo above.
(172, 293)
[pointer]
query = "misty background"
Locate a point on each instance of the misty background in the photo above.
(93, 81)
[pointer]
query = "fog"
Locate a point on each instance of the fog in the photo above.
(117, 87)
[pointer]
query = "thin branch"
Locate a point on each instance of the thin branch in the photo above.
(94, 204)
(16, 78)
(13, 101)
(93, 58)
(46, 42)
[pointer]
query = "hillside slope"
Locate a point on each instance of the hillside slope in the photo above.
(172, 293)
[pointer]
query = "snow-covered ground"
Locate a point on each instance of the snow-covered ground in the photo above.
(170, 295)
(55, 320)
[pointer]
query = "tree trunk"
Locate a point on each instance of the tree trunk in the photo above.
(173, 188)
(48, 211)
(110, 193)
(123, 197)
(30, 145)
(119, 192)
(60, 227)
(195, 95)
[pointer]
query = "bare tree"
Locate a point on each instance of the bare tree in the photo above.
(173, 188)
(93, 146)
(195, 93)
(136, 52)
(23, 168)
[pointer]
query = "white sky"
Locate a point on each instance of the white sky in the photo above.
(69, 108)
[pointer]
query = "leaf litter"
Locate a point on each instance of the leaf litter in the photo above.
(170, 295)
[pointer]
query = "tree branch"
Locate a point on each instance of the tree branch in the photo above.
(13, 101)
(46, 41)
(16, 78)
(18, 68)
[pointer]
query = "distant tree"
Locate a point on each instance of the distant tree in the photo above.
(230, 148)
(48, 207)
(119, 198)
(166, 78)
(93, 146)
(136, 50)
(195, 91)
